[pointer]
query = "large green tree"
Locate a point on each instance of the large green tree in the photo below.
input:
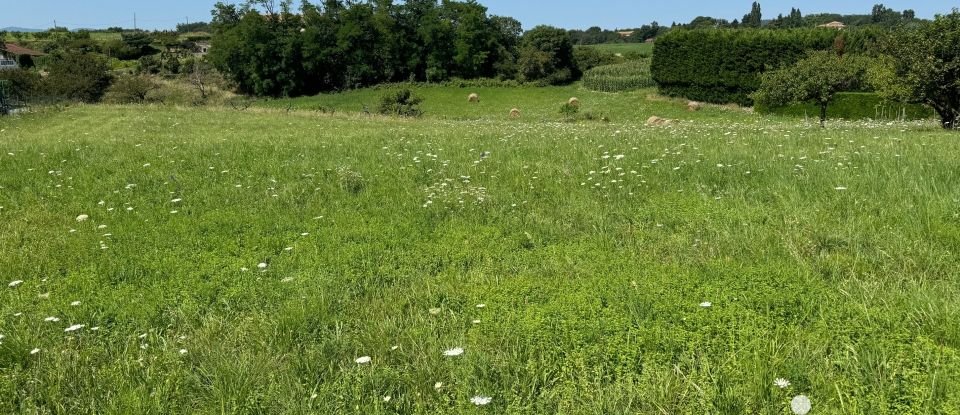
(546, 55)
(925, 67)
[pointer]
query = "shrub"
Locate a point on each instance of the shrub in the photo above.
(723, 66)
(569, 111)
(622, 77)
(401, 103)
(23, 83)
(78, 76)
(130, 89)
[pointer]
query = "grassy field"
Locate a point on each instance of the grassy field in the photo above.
(623, 48)
(275, 261)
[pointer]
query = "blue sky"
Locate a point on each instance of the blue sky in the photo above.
(155, 14)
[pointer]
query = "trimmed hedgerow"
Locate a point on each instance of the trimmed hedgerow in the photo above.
(724, 65)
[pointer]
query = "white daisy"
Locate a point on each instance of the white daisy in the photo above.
(456, 351)
(15, 283)
(177, 200)
(262, 265)
(781, 383)
(801, 405)
(83, 218)
(74, 327)
(387, 398)
(438, 385)
(481, 305)
(35, 351)
(51, 319)
(706, 304)
(363, 360)
(183, 351)
(75, 303)
(480, 400)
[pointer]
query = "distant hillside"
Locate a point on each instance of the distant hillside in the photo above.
(21, 29)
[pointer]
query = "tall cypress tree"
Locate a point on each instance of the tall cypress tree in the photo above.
(754, 18)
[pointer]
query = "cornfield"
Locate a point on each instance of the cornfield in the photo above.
(627, 76)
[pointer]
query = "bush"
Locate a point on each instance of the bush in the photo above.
(569, 111)
(78, 76)
(402, 103)
(622, 77)
(130, 89)
(23, 83)
(723, 66)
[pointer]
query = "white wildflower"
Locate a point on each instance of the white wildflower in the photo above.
(15, 283)
(74, 327)
(183, 351)
(75, 303)
(438, 385)
(481, 305)
(262, 265)
(456, 351)
(177, 200)
(435, 310)
(35, 351)
(363, 360)
(800, 405)
(83, 218)
(781, 383)
(706, 304)
(51, 319)
(481, 400)
(387, 398)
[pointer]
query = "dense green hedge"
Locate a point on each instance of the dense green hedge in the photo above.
(724, 65)
(856, 106)
(627, 76)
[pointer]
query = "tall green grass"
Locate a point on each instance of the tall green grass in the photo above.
(827, 257)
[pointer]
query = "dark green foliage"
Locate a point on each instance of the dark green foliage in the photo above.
(589, 58)
(724, 66)
(401, 103)
(595, 35)
(753, 19)
(22, 84)
(854, 106)
(25, 61)
(546, 56)
(78, 76)
(817, 78)
(350, 45)
(925, 67)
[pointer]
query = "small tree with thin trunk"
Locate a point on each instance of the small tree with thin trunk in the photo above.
(817, 78)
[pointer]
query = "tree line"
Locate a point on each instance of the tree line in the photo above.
(272, 49)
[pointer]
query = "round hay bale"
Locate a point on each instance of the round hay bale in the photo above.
(656, 121)
(694, 106)
(514, 113)
(574, 102)
(473, 98)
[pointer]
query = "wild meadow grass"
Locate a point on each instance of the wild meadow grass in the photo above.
(273, 261)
